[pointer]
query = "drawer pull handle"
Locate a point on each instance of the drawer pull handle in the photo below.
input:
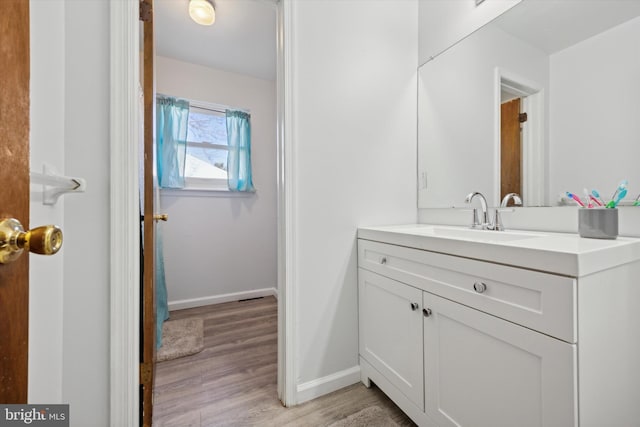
(426, 312)
(479, 287)
(414, 306)
(383, 260)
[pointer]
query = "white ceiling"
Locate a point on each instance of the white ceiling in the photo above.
(242, 40)
(554, 26)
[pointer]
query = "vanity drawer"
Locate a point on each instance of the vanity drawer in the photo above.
(541, 301)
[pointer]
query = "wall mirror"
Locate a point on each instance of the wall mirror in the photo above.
(540, 101)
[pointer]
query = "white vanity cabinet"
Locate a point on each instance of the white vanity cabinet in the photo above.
(391, 333)
(481, 370)
(457, 341)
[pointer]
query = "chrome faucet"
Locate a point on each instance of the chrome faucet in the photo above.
(498, 226)
(516, 200)
(485, 224)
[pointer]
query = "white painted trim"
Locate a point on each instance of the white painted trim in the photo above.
(124, 213)
(497, 123)
(219, 299)
(533, 135)
(204, 192)
(287, 271)
(321, 386)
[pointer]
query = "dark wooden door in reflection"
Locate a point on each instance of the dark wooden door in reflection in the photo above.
(510, 148)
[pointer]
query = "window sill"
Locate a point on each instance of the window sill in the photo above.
(204, 187)
(203, 192)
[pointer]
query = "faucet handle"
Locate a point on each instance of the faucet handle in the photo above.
(475, 217)
(497, 220)
(475, 220)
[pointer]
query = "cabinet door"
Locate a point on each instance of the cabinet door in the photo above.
(391, 332)
(483, 371)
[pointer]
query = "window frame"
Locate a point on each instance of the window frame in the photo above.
(206, 184)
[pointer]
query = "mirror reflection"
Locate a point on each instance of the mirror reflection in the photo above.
(540, 101)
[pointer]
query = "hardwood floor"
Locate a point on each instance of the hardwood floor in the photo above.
(232, 382)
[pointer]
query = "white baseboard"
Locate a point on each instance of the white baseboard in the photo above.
(219, 299)
(321, 386)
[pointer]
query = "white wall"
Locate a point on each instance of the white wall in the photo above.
(596, 82)
(85, 382)
(445, 22)
(354, 138)
(222, 243)
(47, 146)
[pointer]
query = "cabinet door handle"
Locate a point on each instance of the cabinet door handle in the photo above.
(383, 260)
(479, 287)
(426, 312)
(414, 306)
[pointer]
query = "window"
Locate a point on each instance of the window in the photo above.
(207, 148)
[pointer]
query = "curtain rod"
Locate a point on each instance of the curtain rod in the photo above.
(221, 110)
(209, 109)
(208, 106)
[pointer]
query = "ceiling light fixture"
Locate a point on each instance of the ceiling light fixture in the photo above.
(202, 12)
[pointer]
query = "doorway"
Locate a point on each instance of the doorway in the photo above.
(511, 118)
(124, 254)
(519, 137)
(232, 250)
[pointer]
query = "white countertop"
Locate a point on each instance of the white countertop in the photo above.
(561, 253)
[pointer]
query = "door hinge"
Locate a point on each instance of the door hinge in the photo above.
(146, 370)
(146, 12)
(522, 117)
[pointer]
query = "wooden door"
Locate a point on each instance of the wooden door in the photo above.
(510, 149)
(14, 196)
(483, 371)
(391, 331)
(148, 332)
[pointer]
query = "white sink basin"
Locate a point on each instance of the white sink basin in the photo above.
(477, 235)
(560, 253)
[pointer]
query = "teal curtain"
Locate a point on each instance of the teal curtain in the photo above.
(162, 307)
(239, 158)
(172, 116)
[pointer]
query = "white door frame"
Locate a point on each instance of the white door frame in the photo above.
(125, 215)
(125, 220)
(533, 135)
(287, 172)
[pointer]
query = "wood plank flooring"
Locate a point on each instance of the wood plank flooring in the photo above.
(232, 382)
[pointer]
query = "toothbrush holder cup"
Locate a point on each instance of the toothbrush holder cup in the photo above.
(598, 223)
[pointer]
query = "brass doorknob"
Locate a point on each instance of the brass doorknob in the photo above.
(161, 217)
(45, 240)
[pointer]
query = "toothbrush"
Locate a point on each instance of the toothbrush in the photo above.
(614, 203)
(597, 196)
(596, 201)
(623, 184)
(636, 202)
(575, 198)
(587, 198)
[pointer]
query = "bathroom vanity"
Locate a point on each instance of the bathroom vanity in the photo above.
(477, 328)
